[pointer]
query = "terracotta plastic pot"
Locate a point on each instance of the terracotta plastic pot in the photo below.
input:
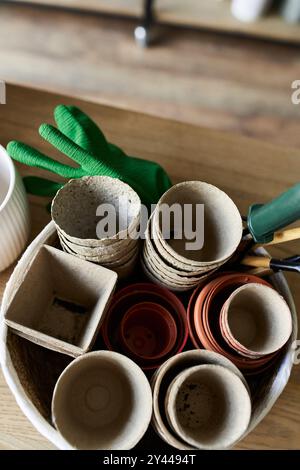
(129, 297)
(211, 323)
(148, 331)
(203, 317)
(190, 312)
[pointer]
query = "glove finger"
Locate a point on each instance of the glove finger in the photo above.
(89, 163)
(64, 144)
(80, 128)
(29, 156)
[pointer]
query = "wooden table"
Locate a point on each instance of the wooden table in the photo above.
(248, 170)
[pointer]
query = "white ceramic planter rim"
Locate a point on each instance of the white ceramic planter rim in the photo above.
(12, 173)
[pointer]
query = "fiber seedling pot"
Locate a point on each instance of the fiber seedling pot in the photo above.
(75, 206)
(164, 376)
(208, 406)
(222, 224)
(102, 400)
(256, 320)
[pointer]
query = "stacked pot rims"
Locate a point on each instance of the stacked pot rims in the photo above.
(200, 401)
(147, 323)
(241, 317)
(97, 219)
(202, 235)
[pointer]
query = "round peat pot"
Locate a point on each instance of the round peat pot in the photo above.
(75, 206)
(256, 320)
(148, 331)
(102, 400)
(208, 406)
(162, 378)
(222, 224)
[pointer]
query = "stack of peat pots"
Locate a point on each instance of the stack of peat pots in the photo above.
(171, 262)
(74, 212)
(200, 401)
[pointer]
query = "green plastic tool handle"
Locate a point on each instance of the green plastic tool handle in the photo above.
(265, 219)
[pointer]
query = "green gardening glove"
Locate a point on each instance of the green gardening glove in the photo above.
(80, 139)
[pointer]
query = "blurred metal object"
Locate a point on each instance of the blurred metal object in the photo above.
(290, 11)
(144, 32)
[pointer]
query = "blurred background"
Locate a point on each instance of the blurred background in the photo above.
(222, 64)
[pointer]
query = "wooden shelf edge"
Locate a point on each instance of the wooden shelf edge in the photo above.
(210, 15)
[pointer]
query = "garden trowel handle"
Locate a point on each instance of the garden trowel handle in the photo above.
(265, 219)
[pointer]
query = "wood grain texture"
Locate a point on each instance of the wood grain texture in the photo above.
(210, 14)
(119, 7)
(214, 14)
(217, 81)
(248, 170)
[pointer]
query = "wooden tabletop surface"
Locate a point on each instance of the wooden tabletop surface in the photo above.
(248, 170)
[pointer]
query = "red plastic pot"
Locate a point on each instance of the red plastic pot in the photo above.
(133, 294)
(148, 331)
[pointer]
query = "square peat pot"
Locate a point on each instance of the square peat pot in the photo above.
(61, 302)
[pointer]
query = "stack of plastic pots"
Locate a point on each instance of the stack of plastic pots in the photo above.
(147, 323)
(241, 317)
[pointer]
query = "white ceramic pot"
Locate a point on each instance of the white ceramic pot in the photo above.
(14, 212)
(249, 10)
